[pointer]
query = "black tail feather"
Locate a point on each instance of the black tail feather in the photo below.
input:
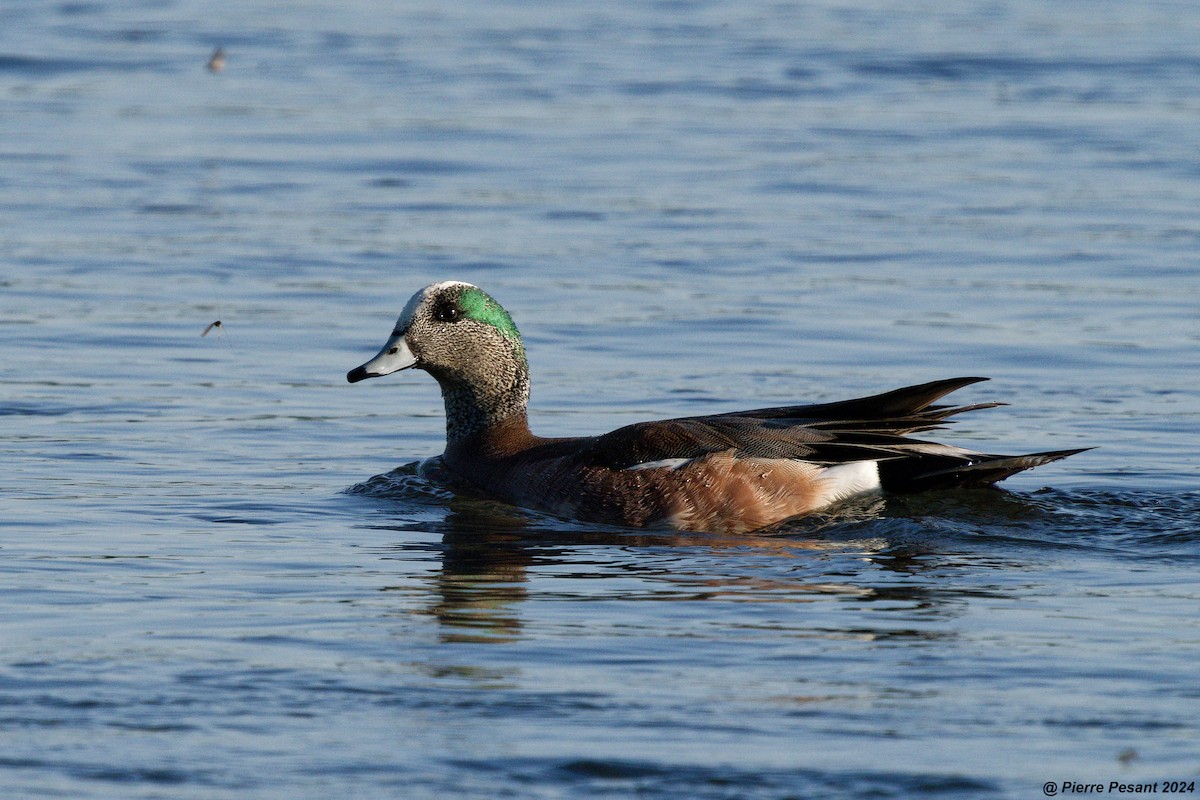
(920, 473)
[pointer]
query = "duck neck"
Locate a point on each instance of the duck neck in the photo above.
(480, 414)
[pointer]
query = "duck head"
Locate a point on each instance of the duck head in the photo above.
(463, 338)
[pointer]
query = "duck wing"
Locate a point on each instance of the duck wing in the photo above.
(907, 409)
(874, 428)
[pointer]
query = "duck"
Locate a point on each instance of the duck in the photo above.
(724, 473)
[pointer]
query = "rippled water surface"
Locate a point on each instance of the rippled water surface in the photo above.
(688, 208)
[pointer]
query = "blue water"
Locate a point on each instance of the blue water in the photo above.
(688, 208)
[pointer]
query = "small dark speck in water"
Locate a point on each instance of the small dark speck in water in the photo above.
(216, 63)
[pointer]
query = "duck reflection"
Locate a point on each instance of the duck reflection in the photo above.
(487, 551)
(483, 580)
(906, 559)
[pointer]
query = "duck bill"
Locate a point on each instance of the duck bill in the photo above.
(394, 357)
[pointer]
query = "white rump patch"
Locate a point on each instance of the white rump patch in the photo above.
(849, 480)
(665, 463)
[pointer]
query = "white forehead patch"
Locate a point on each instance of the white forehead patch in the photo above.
(414, 302)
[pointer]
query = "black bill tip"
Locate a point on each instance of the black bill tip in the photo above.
(358, 374)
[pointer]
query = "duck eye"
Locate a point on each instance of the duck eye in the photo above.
(447, 313)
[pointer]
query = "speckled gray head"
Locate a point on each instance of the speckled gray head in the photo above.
(430, 332)
(468, 342)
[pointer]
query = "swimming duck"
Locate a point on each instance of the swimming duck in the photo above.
(727, 473)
